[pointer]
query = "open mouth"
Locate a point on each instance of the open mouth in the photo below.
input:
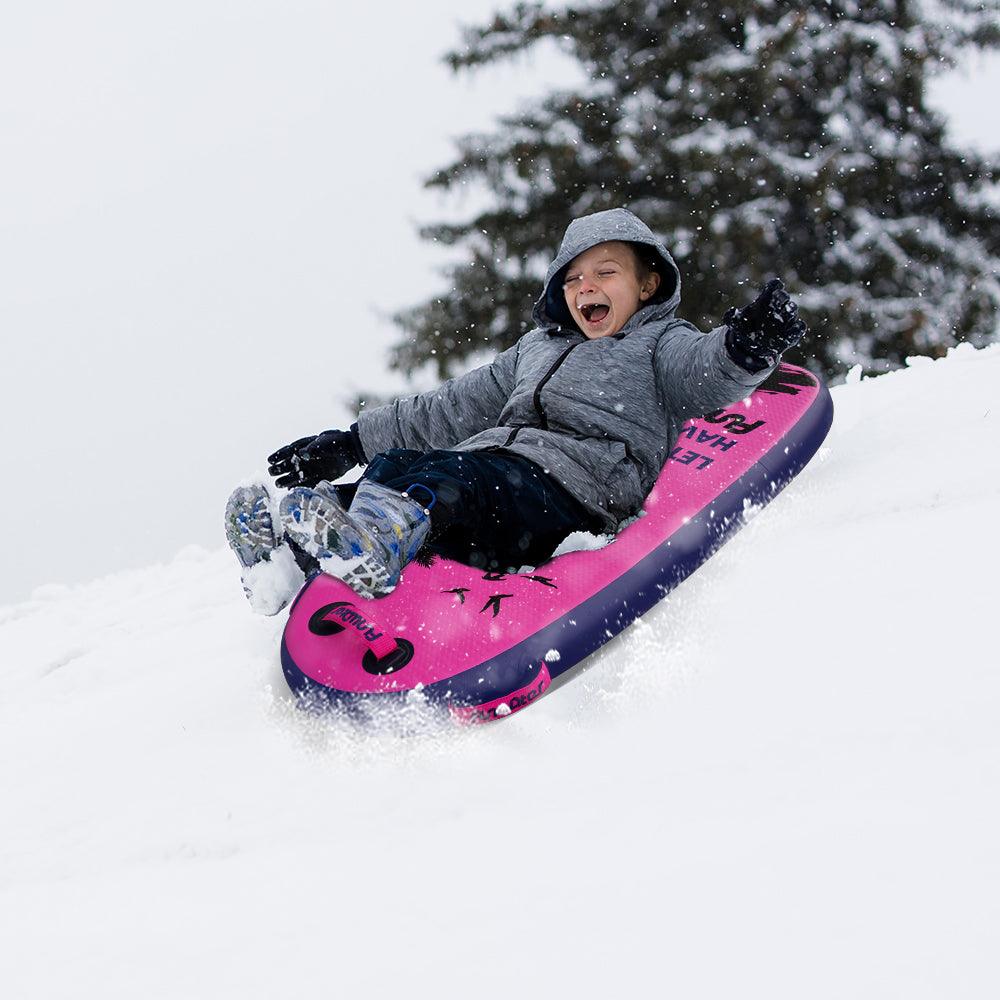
(594, 312)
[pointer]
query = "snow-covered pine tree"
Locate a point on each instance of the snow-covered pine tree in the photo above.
(758, 138)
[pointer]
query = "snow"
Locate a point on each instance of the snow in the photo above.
(781, 781)
(582, 541)
(268, 584)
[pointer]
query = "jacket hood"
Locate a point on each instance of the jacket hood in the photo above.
(550, 310)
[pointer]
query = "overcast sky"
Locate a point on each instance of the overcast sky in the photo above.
(208, 212)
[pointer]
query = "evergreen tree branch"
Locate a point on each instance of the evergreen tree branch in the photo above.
(758, 138)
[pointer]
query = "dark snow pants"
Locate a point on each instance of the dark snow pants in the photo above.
(493, 510)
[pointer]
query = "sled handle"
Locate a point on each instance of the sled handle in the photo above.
(383, 646)
(344, 616)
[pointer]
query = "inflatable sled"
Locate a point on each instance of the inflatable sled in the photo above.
(489, 644)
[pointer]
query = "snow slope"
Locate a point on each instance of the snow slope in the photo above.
(782, 782)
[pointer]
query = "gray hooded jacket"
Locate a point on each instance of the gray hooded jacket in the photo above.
(600, 416)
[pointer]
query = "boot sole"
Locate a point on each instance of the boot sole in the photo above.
(325, 531)
(319, 526)
(249, 528)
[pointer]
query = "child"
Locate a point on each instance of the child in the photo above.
(565, 431)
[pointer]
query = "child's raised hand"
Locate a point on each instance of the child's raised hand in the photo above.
(310, 459)
(760, 332)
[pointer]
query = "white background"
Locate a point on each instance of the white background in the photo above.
(207, 213)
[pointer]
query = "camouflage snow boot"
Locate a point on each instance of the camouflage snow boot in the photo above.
(270, 575)
(367, 545)
(249, 529)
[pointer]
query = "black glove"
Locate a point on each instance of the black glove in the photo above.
(759, 332)
(323, 456)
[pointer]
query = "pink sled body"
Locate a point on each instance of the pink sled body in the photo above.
(486, 645)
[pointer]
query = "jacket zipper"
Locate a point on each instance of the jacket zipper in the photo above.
(537, 399)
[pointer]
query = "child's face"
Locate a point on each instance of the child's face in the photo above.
(603, 289)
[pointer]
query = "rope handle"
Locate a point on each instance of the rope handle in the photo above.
(331, 618)
(386, 653)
